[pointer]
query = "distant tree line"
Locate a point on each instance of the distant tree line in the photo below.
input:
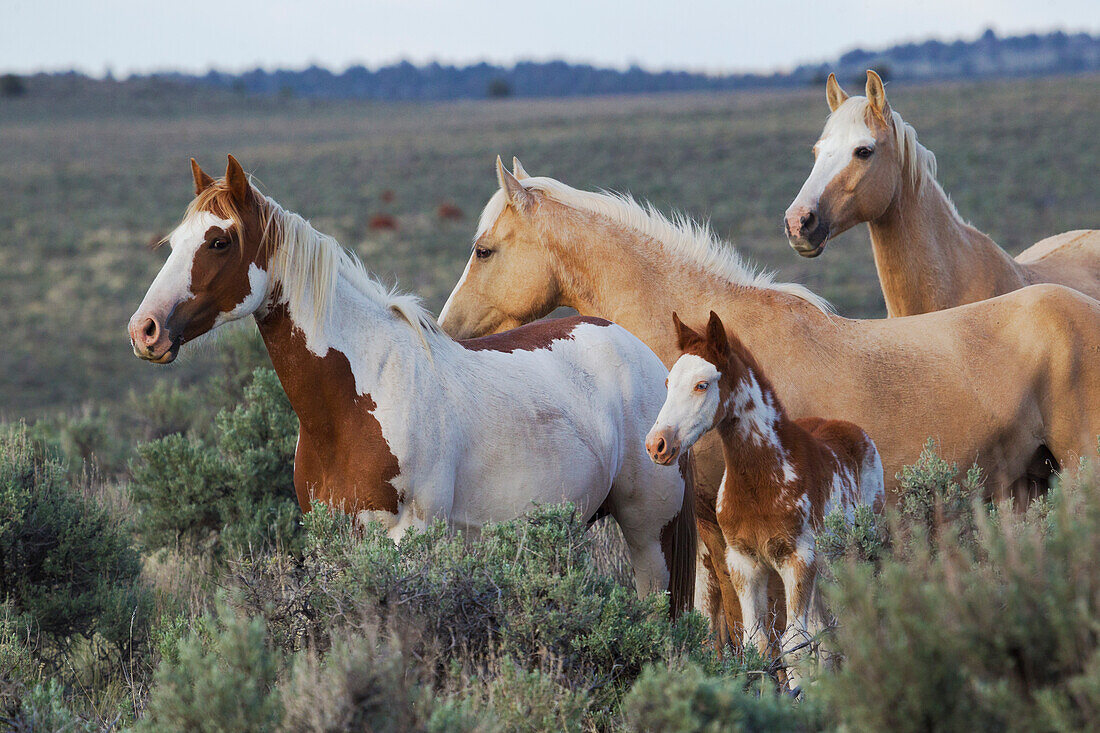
(987, 56)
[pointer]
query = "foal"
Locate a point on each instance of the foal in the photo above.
(782, 476)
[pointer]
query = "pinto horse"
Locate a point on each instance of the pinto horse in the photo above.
(401, 424)
(1010, 383)
(869, 167)
(782, 476)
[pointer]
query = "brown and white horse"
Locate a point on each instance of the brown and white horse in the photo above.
(401, 424)
(782, 476)
(869, 167)
(1009, 383)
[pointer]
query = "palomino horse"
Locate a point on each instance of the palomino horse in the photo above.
(401, 424)
(869, 167)
(782, 477)
(1009, 382)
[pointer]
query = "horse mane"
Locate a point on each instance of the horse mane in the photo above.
(679, 235)
(306, 264)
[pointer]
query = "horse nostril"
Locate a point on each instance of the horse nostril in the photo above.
(808, 221)
(150, 330)
(660, 445)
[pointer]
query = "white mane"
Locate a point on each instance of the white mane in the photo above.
(680, 236)
(306, 264)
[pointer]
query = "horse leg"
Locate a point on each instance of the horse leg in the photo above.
(750, 580)
(799, 580)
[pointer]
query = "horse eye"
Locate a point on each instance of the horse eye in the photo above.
(701, 387)
(863, 152)
(219, 243)
(482, 252)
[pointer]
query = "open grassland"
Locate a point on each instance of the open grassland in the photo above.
(89, 179)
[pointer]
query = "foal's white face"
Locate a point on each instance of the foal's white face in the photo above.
(689, 411)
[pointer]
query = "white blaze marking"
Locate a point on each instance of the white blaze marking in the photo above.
(844, 132)
(172, 284)
(687, 411)
(458, 286)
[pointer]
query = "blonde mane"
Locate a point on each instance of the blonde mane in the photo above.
(306, 265)
(680, 236)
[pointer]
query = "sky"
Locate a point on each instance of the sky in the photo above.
(137, 36)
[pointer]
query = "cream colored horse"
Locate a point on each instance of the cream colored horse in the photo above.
(1008, 383)
(870, 168)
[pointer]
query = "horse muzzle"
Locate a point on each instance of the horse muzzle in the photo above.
(152, 341)
(662, 447)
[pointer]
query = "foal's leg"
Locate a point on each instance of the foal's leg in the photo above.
(799, 575)
(750, 579)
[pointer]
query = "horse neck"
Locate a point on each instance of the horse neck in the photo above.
(929, 259)
(754, 432)
(364, 351)
(647, 283)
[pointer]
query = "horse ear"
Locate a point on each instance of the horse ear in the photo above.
(716, 334)
(517, 169)
(684, 335)
(834, 94)
(876, 94)
(235, 176)
(517, 194)
(202, 181)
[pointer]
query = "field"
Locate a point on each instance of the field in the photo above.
(90, 177)
(157, 574)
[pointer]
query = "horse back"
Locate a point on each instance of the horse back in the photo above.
(855, 459)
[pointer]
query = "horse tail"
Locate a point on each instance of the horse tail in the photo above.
(679, 542)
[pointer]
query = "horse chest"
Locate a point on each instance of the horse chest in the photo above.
(762, 521)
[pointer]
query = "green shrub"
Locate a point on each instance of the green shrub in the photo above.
(865, 538)
(235, 495)
(17, 665)
(169, 408)
(1001, 637)
(524, 590)
(673, 699)
(46, 708)
(67, 568)
(364, 682)
(223, 680)
(931, 497)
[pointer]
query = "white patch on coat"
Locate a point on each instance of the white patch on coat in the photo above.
(757, 413)
(687, 412)
(740, 566)
(172, 284)
(805, 548)
(872, 484)
(257, 294)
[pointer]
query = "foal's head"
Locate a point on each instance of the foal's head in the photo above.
(699, 389)
(215, 272)
(857, 168)
(511, 277)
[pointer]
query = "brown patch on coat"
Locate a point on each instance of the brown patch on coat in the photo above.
(760, 515)
(342, 458)
(533, 336)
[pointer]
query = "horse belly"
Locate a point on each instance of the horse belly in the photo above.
(502, 488)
